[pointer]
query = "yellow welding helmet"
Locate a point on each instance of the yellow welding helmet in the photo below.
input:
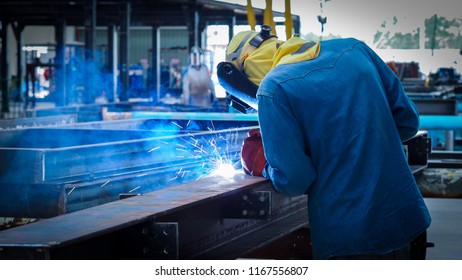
(252, 52)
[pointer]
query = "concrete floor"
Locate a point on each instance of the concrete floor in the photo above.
(446, 229)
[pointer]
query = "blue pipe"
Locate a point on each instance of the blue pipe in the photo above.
(427, 122)
(440, 122)
(195, 116)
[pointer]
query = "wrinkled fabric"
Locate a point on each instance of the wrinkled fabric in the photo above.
(273, 52)
(346, 113)
(295, 50)
(252, 61)
(259, 61)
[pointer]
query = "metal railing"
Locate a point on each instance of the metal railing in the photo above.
(15, 110)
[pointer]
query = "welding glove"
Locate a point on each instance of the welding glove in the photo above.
(252, 154)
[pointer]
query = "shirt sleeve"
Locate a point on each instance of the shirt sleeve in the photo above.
(288, 166)
(405, 114)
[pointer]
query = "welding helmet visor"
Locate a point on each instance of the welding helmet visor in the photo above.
(243, 93)
(249, 57)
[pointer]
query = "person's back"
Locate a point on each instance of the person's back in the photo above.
(340, 119)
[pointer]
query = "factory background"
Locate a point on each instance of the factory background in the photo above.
(88, 84)
(148, 63)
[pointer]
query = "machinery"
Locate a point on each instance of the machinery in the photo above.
(146, 189)
(445, 76)
(132, 189)
(46, 164)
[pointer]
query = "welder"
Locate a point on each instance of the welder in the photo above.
(198, 87)
(332, 119)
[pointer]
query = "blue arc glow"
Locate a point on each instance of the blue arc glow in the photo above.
(225, 170)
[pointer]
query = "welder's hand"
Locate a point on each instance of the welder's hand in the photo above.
(252, 155)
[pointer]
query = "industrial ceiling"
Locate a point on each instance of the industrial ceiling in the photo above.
(142, 12)
(121, 14)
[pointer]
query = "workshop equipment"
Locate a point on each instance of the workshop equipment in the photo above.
(53, 171)
(208, 218)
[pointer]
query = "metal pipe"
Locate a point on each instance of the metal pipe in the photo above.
(450, 140)
(194, 116)
(441, 122)
(426, 122)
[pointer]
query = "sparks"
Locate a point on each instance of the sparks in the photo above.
(202, 150)
(225, 170)
(177, 125)
(153, 149)
(71, 191)
(105, 183)
(134, 189)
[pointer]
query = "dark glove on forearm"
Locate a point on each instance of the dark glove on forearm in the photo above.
(252, 154)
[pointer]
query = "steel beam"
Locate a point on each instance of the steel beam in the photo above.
(445, 159)
(50, 172)
(440, 107)
(191, 217)
(37, 122)
(47, 154)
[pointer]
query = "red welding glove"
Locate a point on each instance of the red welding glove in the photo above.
(252, 155)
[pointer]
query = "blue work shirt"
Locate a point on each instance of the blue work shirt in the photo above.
(332, 128)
